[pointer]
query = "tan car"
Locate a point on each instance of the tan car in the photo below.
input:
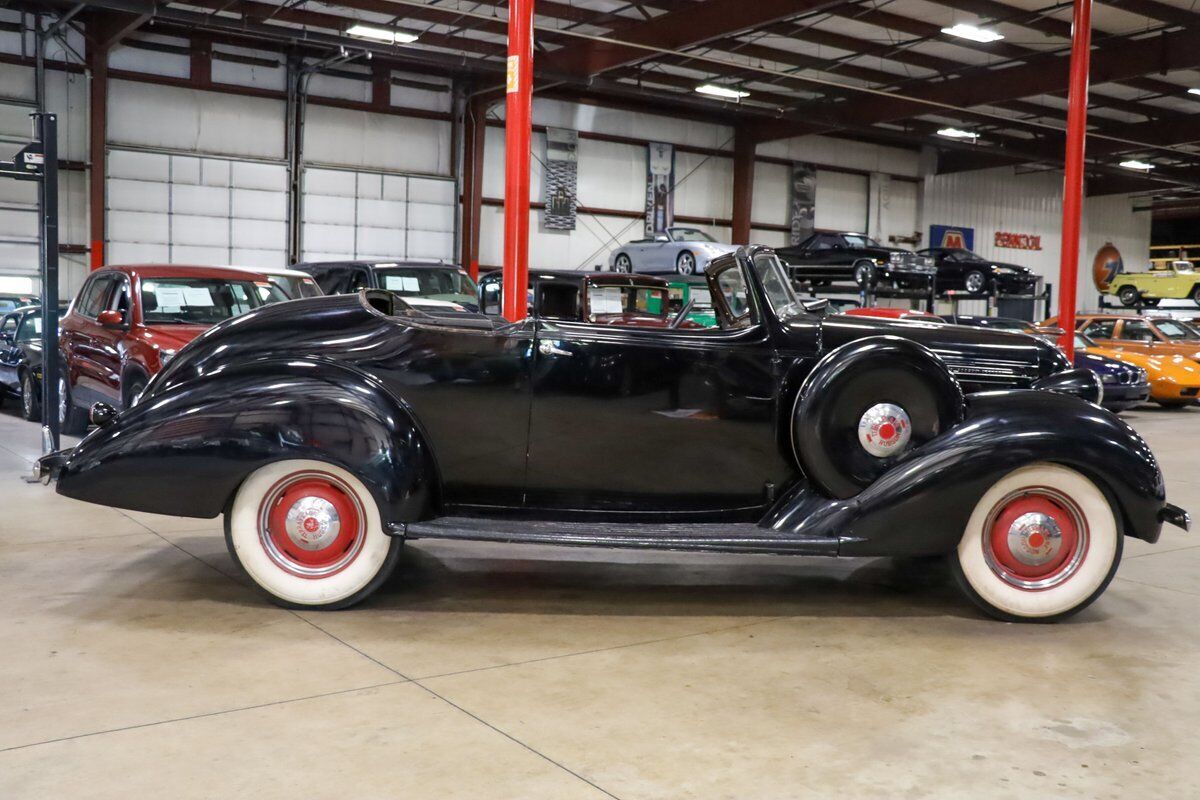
(1148, 335)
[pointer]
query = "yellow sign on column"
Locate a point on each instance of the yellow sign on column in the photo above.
(514, 71)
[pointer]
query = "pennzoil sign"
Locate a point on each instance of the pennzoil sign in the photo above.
(1017, 241)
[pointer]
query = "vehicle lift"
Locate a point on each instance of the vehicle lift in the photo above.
(38, 161)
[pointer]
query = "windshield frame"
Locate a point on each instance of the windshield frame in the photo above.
(783, 304)
(700, 236)
(249, 285)
(463, 284)
(1189, 331)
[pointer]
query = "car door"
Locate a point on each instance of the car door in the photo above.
(653, 419)
(1101, 331)
(10, 354)
(1134, 335)
(89, 339)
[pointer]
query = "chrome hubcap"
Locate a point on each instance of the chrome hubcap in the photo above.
(974, 282)
(1034, 539)
(312, 523)
(27, 396)
(884, 430)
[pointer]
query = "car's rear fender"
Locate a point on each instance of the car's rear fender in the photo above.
(185, 449)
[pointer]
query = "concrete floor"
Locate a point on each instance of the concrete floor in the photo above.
(135, 663)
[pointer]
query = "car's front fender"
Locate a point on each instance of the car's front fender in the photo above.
(921, 506)
(185, 450)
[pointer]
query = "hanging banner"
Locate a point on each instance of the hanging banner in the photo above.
(954, 236)
(562, 179)
(804, 201)
(660, 187)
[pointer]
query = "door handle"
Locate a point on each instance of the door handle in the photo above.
(548, 348)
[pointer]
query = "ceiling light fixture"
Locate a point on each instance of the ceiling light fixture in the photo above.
(982, 35)
(715, 90)
(1135, 164)
(385, 35)
(955, 133)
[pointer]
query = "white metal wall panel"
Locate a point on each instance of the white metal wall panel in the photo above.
(190, 120)
(185, 209)
(136, 59)
(772, 194)
(842, 200)
(844, 153)
(349, 214)
(703, 186)
(338, 137)
(900, 213)
(1000, 200)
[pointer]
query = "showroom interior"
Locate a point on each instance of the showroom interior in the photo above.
(301, 497)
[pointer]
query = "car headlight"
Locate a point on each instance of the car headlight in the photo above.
(1108, 378)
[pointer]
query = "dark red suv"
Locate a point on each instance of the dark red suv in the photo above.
(128, 321)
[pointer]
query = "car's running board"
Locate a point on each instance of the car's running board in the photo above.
(743, 537)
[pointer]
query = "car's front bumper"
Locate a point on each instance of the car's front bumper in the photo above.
(1016, 284)
(1120, 396)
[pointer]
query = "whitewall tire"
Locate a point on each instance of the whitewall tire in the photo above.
(309, 533)
(1042, 544)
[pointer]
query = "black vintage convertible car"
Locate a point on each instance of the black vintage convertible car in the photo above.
(329, 431)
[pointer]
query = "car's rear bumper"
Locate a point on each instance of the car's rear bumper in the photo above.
(47, 468)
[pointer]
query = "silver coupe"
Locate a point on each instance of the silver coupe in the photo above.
(685, 251)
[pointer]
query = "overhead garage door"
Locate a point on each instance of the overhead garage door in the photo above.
(18, 199)
(187, 209)
(371, 215)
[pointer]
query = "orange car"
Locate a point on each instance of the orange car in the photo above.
(1152, 336)
(1174, 380)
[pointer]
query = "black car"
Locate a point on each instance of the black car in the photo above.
(433, 285)
(329, 431)
(829, 257)
(962, 269)
(21, 358)
(1124, 385)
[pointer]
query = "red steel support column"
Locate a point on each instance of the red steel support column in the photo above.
(518, 124)
(97, 57)
(1077, 97)
(743, 185)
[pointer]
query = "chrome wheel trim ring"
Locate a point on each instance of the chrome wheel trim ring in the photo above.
(1059, 576)
(281, 559)
(884, 430)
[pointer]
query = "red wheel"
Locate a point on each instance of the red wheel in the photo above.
(1037, 538)
(1042, 543)
(312, 524)
(310, 534)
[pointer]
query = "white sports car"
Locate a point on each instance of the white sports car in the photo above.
(685, 251)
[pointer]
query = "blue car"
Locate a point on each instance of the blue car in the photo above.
(1125, 385)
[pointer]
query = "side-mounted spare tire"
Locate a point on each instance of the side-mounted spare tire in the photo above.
(866, 404)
